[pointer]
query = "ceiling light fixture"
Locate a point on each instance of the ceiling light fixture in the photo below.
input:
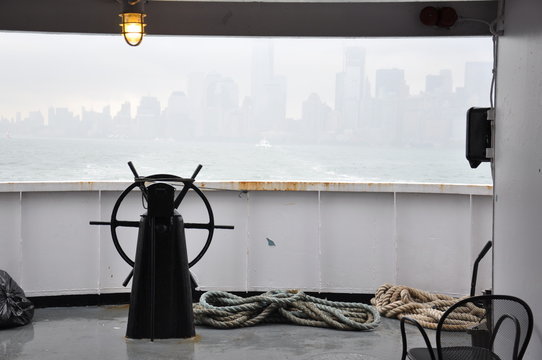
(133, 21)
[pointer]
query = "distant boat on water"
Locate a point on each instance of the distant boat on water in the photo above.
(264, 143)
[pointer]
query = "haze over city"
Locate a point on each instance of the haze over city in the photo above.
(403, 91)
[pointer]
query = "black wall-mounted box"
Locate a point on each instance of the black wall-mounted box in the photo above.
(478, 136)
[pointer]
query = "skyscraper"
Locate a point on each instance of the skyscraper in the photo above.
(268, 91)
(122, 121)
(477, 82)
(391, 93)
(62, 122)
(440, 84)
(350, 88)
(390, 83)
(148, 117)
(316, 117)
(176, 117)
(221, 100)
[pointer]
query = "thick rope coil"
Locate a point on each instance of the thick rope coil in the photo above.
(396, 301)
(224, 310)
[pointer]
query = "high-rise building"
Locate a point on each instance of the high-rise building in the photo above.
(391, 93)
(478, 82)
(176, 117)
(147, 118)
(122, 122)
(268, 91)
(438, 124)
(316, 117)
(195, 94)
(440, 84)
(390, 83)
(62, 122)
(95, 123)
(220, 101)
(350, 89)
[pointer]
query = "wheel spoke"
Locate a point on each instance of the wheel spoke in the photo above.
(181, 196)
(124, 223)
(197, 226)
(100, 223)
(139, 183)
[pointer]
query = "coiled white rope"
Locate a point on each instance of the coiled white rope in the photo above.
(224, 310)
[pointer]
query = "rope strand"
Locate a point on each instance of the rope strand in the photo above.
(225, 311)
(396, 301)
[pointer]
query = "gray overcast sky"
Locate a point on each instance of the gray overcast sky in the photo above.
(43, 70)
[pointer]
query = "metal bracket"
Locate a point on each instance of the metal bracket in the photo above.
(491, 115)
(490, 153)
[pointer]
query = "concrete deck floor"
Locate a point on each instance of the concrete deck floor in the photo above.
(98, 333)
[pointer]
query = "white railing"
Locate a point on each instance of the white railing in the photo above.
(327, 237)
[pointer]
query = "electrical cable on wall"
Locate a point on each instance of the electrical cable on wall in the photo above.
(492, 26)
(446, 18)
(495, 40)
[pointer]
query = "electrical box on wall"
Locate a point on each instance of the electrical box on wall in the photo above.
(479, 136)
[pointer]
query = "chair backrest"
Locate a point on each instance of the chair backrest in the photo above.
(500, 323)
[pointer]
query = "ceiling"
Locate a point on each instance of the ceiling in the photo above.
(226, 18)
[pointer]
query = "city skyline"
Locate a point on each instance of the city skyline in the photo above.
(361, 101)
(43, 70)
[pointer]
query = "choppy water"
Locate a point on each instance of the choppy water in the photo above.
(105, 159)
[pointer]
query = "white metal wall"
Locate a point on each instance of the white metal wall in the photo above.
(518, 174)
(343, 240)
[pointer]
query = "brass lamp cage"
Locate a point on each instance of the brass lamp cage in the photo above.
(133, 27)
(133, 21)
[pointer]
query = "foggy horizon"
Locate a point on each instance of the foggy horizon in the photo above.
(367, 97)
(42, 69)
(321, 89)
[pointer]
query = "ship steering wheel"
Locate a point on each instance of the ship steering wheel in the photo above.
(188, 184)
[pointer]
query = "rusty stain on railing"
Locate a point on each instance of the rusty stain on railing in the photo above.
(348, 187)
(245, 186)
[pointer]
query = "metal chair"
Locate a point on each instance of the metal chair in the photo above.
(486, 327)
